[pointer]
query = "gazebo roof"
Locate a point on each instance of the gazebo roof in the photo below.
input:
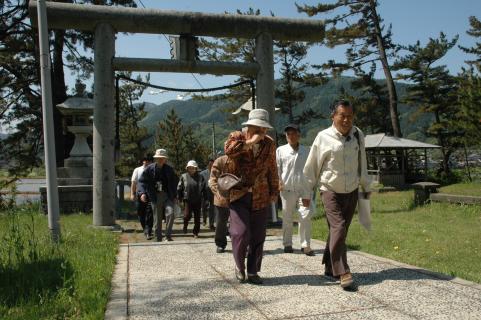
(381, 140)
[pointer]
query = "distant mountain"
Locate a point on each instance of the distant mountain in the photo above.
(202, 113)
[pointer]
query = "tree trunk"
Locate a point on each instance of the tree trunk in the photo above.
(59, 95)
(387, 72)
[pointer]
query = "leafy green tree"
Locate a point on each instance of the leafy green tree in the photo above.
(433, 91)
(475, 32)
(180, 142)
(295, 75)
(469, 92)
(368, 43)
(132, 134)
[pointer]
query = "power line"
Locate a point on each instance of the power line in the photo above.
(197, 80)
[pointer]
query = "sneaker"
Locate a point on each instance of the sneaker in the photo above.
(254, 279)
(149, 236)
(240, 275)
(288, 249)
(308, 252)
(220, 250)
(346, 280)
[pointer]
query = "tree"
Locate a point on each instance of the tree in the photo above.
(469, 92)
(367, 40)
(434, 91)
(180, 142)
(20, 101)
(132, 134)
(295, 76)
(475, 31)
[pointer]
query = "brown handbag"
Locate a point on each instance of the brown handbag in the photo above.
(226, 182)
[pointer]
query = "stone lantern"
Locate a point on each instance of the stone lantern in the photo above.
(75, 178)
(77, 114)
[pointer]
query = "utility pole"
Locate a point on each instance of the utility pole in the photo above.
(48, 131)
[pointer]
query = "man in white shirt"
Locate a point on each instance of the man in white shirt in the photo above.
(144, 211)
(290, 163)
(337, 163)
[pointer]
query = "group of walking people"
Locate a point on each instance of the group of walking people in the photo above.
(335, 164)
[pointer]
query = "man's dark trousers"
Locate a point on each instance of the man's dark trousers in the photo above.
(339, 208)
(144, 212)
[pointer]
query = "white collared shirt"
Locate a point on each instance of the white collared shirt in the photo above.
(290, 164)
(333, 162)
(137, 173)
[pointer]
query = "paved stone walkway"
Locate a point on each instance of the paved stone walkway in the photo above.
(186, 279)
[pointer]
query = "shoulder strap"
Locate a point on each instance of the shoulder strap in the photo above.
(356, 134)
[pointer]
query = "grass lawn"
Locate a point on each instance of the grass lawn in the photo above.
(465, 189)
(39, 280)
(439, 237)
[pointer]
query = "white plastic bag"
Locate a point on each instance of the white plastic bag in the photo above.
(304, 211)
(364, 211)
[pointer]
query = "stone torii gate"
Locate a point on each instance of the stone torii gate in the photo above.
(105, 22)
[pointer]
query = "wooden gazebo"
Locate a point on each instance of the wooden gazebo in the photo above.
(395, 161)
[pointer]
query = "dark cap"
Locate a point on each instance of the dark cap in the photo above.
(148, 157)
(292, 126)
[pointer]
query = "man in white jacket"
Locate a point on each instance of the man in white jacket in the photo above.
(292, 185)
(337, 163)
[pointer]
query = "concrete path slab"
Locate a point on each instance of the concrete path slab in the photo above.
(187, 279)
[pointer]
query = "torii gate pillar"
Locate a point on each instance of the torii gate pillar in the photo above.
(265, 76)
(104, 122)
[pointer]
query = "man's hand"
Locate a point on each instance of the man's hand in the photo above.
(143, 197)
(306, 202)
(256, 137)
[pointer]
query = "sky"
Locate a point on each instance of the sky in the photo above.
(411, 20)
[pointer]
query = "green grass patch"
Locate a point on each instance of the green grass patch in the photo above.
(465, 189)
(43, 280)
(440, 237)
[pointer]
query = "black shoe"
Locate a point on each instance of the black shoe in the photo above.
(169, 238)
(149, 236)
(185, 229)
(240, 275)
(254, 279)
(288, 249)
(158, 239)
(220, 250)
(212, 228)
